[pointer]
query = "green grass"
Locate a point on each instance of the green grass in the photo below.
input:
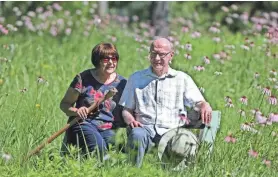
(29, 118)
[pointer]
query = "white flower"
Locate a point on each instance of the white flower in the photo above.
(206, 60)
(266, 91)
(273, 72)
(218, 73)
(18, 23)
(241, 112)
(256, 75)
(272, 79)
(214, 29)
(6, 157)
(230, 46)
(228, 99)
(216, 39)
(229, 104)
(247, 127)
(187, 56)
(188, 47)
(229, 20)
(234, 7)
(225, 9)
(15, 9)
(199, 68)
(216, 56)
(31, 14)
(245, 47)
(202, 89)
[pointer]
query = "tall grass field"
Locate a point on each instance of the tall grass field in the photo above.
(236, 72)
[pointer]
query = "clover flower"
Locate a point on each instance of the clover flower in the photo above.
(188, 46)
(272, 79)
(272, 100)
(234, 7)
(228, 99)
(218, 73)
(261, 119)
(241, 112)
(214, 29)
(256, 112)
(230, 139)
(247, 40)
(24, 90)
(225, 9)
(245, 47)
(6, 157)
(256, 75)
(206, 60)
(223, 55)
(183, 117)
(248, 127)
(199, 68)
(244, 100)
(253, 153)
(68, 31)
(266, 91)
(216, 56)
(229, 104)
(216, 39)
(273, 117)
(185, 29)
(202, 89)
(196, 34)
(273, 72)
(57, 7)
(187, 56)
(230, 46)
(40, 79)
(258, 86)
(266, 162)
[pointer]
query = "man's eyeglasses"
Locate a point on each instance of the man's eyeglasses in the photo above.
(107, 59)
(161, 55)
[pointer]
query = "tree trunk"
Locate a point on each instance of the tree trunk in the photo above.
(103, 8)
(159, 18)
(1, 7)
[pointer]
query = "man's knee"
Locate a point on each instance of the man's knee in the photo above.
(137, 133)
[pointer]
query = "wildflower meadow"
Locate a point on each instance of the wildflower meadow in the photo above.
(41, 52)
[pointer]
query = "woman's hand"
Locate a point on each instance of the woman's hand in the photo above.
(82, 112)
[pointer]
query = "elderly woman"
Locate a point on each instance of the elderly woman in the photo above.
(95, 130)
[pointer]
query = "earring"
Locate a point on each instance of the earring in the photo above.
(170, 62)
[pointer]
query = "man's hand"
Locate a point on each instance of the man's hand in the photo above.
(206, 112)
(135, 124)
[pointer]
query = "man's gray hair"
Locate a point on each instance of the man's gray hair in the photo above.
(158, 37)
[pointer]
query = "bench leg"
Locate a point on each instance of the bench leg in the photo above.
(208, 134)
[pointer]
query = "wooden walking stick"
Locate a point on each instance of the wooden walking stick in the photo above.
(110, 94)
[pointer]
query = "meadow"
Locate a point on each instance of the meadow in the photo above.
(237, 73)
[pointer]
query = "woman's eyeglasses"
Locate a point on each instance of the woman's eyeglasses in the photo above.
(107, 59)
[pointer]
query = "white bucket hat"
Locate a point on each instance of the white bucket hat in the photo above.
(177, 147)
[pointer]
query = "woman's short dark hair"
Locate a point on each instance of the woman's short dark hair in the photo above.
(101, 51)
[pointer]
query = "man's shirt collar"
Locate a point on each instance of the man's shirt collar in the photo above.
(171, 72)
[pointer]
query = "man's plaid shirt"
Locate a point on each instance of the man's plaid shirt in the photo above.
(157, 101)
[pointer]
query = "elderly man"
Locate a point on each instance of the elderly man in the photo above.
(153, 99)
